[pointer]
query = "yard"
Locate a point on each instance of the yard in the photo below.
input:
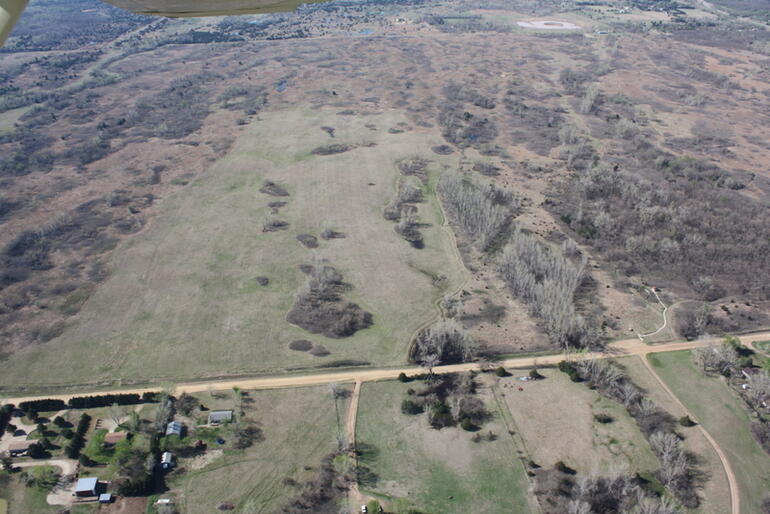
(16, 498)
(555, 419)
(185, 299)
(725, 417)
(715, 492)
(409, 465)
(299, 427)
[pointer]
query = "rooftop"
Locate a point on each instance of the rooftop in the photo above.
(86, 484)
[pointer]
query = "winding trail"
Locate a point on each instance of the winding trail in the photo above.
(665, 320)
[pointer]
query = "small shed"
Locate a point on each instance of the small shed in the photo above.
(105, 498)
(87, 487)
(217, 417)
(114, 438)
(19, 448)
(166, 460)
(174, 428)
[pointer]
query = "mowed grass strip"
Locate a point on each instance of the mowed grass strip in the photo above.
(183, 299)
(725, 417)
(299, 427)
(715, 492)
(412, 466)
(555, 419)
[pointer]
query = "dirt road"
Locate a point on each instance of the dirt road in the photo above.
(732, 481)
(616, 349)
(624, 348)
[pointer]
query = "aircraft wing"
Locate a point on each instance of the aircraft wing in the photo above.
(192, 8)
(10, 10)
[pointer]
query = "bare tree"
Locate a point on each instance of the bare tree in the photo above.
(481, 212)
(547, 281)
(430, 361)
(117, 414)
(447, 340)
(758, 388)
(717, 359)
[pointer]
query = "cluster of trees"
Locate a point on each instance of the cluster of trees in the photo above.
(445, 342)
(677, 470)
(448, 400)
(619, 491)
(321, 491)
(105, 400)
(321, 308)
(725, 359)
(72, 450)
(87, 402)
(721, 359)
(712, 237)
(405, 194)
(547, 282)
(481, 211)
(402, 210)
(464, 128)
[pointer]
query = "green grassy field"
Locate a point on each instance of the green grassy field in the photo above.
(565, 407)
(183, 300)
(299, 428)
(415, 466)
(726, 419)
(16, 498)
(714, 493)
(763, 346)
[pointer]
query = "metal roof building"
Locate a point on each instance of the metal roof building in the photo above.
(174, 428)
(86, 486)
(220, 416)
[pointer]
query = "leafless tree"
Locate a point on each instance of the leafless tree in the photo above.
(481, 212)
(717, 359)
(547, 281)
(447, 340)
(758, 388)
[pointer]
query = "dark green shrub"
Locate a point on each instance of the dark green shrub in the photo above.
(686, 421)
(411, 407)
(500, 372)
(569, 369)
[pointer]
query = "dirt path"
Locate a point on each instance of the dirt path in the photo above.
(615, 349)
(64, 491)
(355, 498)
(732, 481)
(665, 320)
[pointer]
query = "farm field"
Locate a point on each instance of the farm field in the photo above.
(298, 426)
(186, 291)
(714, 492)
(725, 417)
(412, 466)
(564, 407)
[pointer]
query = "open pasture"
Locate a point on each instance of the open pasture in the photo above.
(188, 297)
